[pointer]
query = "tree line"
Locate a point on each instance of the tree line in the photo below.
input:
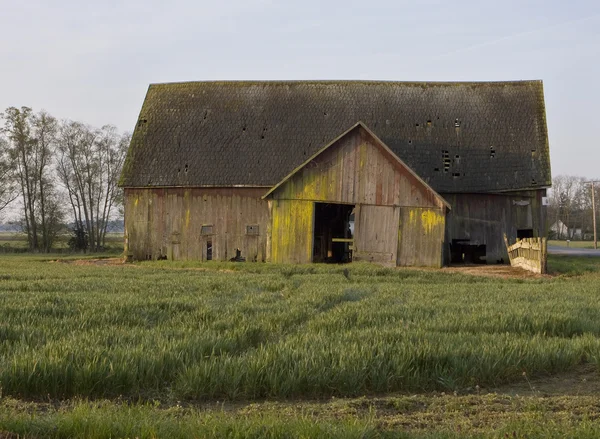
(570, 208)
(60, 171)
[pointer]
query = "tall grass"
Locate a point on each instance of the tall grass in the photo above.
(189, 331)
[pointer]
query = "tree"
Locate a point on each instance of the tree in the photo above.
(571, 204)
(31, 140)
(8, 192)
(89, 164)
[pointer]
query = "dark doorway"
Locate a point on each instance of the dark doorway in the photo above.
(463, 252)
(524, 233)
(334, 232)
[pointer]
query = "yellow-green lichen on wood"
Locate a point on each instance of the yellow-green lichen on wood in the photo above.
(292, 231)
(421, 237)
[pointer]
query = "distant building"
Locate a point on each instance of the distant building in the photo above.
(561, 231)
(299, 171)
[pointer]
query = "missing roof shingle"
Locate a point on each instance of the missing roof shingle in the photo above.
(457, 123)
(492, 152)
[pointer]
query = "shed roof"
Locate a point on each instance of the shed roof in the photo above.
(457, 136)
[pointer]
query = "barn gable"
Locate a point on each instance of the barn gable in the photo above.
(357, 167)
(356, 179)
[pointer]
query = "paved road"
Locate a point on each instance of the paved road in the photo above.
(555, 250)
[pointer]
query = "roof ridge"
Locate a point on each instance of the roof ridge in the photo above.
(344, 81)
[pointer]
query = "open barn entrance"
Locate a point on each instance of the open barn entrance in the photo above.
(333, 232)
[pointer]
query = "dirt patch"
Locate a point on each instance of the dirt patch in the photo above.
(582, 380)
(101, 261)
(7, 435)
(498, 271)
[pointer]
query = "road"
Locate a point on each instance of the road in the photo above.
(556, 250)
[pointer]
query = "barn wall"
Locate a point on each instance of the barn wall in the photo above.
(356, 170)
(292, 231)
(421, 237)
(168, 222)
(484, 218)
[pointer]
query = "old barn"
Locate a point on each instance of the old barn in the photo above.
(418, 174)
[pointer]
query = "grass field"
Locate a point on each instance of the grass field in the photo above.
(167, 349)
(11, 241)
(572, 244)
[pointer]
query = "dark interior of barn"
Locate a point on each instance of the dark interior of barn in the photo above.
(333, 233)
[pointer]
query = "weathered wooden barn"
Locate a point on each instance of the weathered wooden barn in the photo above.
(419, 174)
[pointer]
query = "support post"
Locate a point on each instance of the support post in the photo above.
(594, 217)
(593, 211)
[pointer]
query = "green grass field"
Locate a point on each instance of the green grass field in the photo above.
(167, 349)
(572, 244)
(11, 242)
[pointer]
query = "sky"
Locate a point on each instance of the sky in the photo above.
(93, 61)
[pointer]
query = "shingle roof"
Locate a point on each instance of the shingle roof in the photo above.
(459, 137)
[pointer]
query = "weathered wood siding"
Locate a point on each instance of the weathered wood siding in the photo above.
(291, 236)
(356, 170)
(168, 222)
(376, 231)
(421, 237)
(484, 218)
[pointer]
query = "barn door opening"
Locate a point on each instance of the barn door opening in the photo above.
(333, 232)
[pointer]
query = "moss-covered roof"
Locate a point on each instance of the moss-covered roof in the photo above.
(458, 136)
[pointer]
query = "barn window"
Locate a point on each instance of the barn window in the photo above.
(252, 229)
(446, 160)
(206, 229)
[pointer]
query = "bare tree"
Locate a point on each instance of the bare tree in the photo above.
(17, 127)
(31, 139)
(89, 164)
(44, 129)
(8, 190)
(570, 207)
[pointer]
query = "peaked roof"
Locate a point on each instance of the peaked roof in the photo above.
(458, 137)
(393, 158)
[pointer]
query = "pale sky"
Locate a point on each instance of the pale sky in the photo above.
(93, 61)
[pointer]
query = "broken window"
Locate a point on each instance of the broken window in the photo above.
(446, 160)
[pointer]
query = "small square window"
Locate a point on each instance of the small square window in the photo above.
(206, 230)
(252, 229)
